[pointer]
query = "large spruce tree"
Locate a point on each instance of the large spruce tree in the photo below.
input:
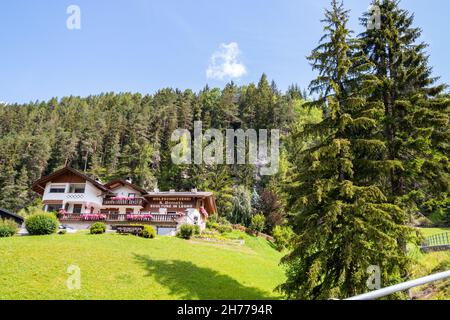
(344, 222)
(416, 114)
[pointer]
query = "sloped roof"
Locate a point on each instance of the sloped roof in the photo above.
(4, 212)
(39, 185)
(112, 185)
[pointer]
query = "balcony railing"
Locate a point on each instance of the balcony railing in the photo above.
(123, 202)
(117, 217)
(74, 196)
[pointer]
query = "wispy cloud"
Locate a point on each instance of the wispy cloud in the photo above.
(225, 64)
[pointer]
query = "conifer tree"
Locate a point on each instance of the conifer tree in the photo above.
(219, 181)
(416, 114)
(343, 221)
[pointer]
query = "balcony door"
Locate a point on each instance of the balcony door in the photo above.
(77, 188)
(77, 208)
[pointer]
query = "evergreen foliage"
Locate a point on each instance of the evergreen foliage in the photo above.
(343, 220)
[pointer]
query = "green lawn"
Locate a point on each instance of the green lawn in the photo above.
(430, 263)
(428, 232)
(127, 267)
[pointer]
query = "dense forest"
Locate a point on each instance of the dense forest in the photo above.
(128, 135)
(364, 154)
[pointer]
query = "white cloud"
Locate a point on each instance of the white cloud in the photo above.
(224, 63)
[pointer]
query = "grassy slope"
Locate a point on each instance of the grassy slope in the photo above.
(127, 267)
(428, 232)
(430, 263)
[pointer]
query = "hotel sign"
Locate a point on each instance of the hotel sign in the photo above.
(172, 203)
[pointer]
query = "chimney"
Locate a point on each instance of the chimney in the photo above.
(156, 190)
(194, 190)
(172, 191)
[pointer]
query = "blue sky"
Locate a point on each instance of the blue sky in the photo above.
(145, 45)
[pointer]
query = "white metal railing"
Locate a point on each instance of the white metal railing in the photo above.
(402, 287)
(75, 196)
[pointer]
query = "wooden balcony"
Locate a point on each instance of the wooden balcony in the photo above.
(123, 202)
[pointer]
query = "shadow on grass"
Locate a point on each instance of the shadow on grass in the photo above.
(188, 281)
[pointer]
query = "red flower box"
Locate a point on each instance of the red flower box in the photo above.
(139, 217)
(93, 217)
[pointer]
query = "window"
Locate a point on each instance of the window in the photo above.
(57, 189)
(54, 207)
(77, 188)
(132, 195)
(77, 208)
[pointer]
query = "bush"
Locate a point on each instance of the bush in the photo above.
(41, 224)
(220, 224)
(148, 232)
(8, 228)
(197, 230)
(258, 223)
(212, 225)
(186, 231)
(224, 228)
(283, 237)
(98, 228)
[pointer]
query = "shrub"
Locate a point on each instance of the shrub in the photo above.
(197, 230)
(8, 228)
(41, 224)
(224, 228)
(283, 237)
(216, 220)
(186, 231)
(220, 224)
(148, 232)
(98, 228)
(258, 223)
(212, 225)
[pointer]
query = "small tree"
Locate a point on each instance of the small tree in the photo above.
(283, 236)
(242, 208)
(258, 223)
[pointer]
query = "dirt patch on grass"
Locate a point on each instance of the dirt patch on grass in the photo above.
(224, 245)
